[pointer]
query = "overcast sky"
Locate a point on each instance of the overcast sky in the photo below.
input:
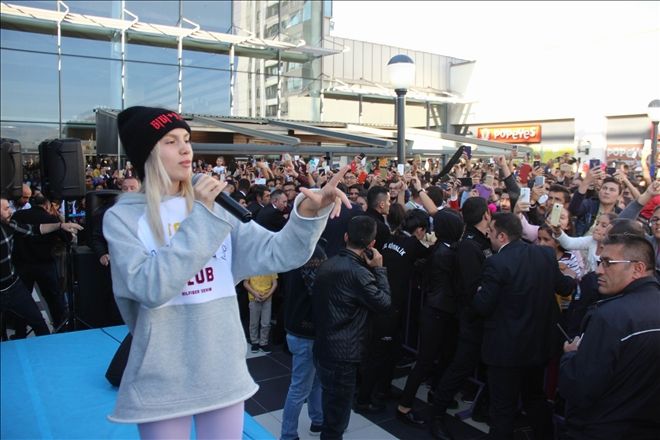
(564, 57)
(472, 30)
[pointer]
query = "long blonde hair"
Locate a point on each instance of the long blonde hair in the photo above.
(156, 185)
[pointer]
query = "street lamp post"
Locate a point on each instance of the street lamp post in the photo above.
(401, 69)
(654, 116)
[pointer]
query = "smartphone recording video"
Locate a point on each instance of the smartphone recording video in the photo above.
(555, 214)
(466, 181)
(525, 195)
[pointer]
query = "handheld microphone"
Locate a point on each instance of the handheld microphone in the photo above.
(232, 206)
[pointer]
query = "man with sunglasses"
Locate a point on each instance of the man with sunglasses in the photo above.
(609, 376)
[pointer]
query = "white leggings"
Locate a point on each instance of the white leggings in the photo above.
(224, 423)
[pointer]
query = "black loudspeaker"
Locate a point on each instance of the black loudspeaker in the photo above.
(62, 169)
(12, 169)
(94, 200)
(94, 302)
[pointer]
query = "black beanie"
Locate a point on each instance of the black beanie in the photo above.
(140, 128)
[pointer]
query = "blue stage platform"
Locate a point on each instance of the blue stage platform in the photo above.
(53, 387)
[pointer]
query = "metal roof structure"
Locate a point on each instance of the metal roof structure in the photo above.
(381, 91)
(191, 37)
(236, 135)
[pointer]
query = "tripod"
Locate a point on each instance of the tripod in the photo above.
(71, 319)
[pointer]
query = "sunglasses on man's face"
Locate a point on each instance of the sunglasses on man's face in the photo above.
(606, 262)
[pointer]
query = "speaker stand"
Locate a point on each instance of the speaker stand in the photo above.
(71, 320)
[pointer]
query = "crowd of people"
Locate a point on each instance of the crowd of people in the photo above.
(544, 274)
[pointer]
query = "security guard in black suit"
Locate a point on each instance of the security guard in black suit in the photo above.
(517, 299)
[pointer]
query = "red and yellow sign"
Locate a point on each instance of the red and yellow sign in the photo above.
(517, 134)
(624, 153)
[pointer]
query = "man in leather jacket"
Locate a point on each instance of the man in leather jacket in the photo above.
(348, 287)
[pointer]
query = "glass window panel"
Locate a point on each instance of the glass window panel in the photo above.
(85, 132)
(92, 48)
(244, 64)
(210, 15)
(327, 8)
(271, 70)
(307, 10)
(195, 58)
(110, 9)
(205, 91)
(151, 85)
(294, 84)
(247, 94)
(87, 84)
(29, 86)
(155, 12)
(29, 134)
(50, 5)
(155, 54)
(12, 39)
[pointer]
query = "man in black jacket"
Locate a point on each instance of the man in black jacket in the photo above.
(472, 252)
(438, 324)
(272, 216)
(14, 296)
(259, 197)
(35, 259)
(517, 299)
(609, 376)
(378, 202)
(400, 254)
(300, 332)
(348, 287)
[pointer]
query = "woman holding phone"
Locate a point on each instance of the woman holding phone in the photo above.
(177, 256)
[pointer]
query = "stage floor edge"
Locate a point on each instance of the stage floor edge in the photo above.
(53, 387)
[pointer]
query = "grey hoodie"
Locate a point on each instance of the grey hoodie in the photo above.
(190, 358)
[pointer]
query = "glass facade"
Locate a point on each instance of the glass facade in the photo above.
(99, 71)
(40, 101)
(290, 21)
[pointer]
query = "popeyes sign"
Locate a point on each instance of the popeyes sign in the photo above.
(530, 134)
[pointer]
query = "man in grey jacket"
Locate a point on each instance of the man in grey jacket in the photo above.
(348, 286)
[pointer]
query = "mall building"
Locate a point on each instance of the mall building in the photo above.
(240, 70)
